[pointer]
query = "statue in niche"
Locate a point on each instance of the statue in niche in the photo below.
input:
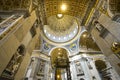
(13, 65)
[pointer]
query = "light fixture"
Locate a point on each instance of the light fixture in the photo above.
(63, 7)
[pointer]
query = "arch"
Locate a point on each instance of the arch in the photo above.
(58, 52)
(60, 47)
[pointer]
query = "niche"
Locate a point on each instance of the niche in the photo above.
(21, 49)
(14, 64)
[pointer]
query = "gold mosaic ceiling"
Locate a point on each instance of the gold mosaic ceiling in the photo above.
(73, 7)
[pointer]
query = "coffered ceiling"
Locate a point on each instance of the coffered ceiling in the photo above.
(53, 7)
(75, 8)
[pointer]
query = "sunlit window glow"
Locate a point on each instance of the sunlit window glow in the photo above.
(54, 37)
(64, 37)
(84, 55)
(66, 75)
(59, 15)
(49, 35)
(63, 7)
(59, 38)
(58, 76)
(84, 35)
(70, 35)
(45, 31)
(74, 31)
(51, 75)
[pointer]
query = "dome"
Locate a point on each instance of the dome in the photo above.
(61, 29)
